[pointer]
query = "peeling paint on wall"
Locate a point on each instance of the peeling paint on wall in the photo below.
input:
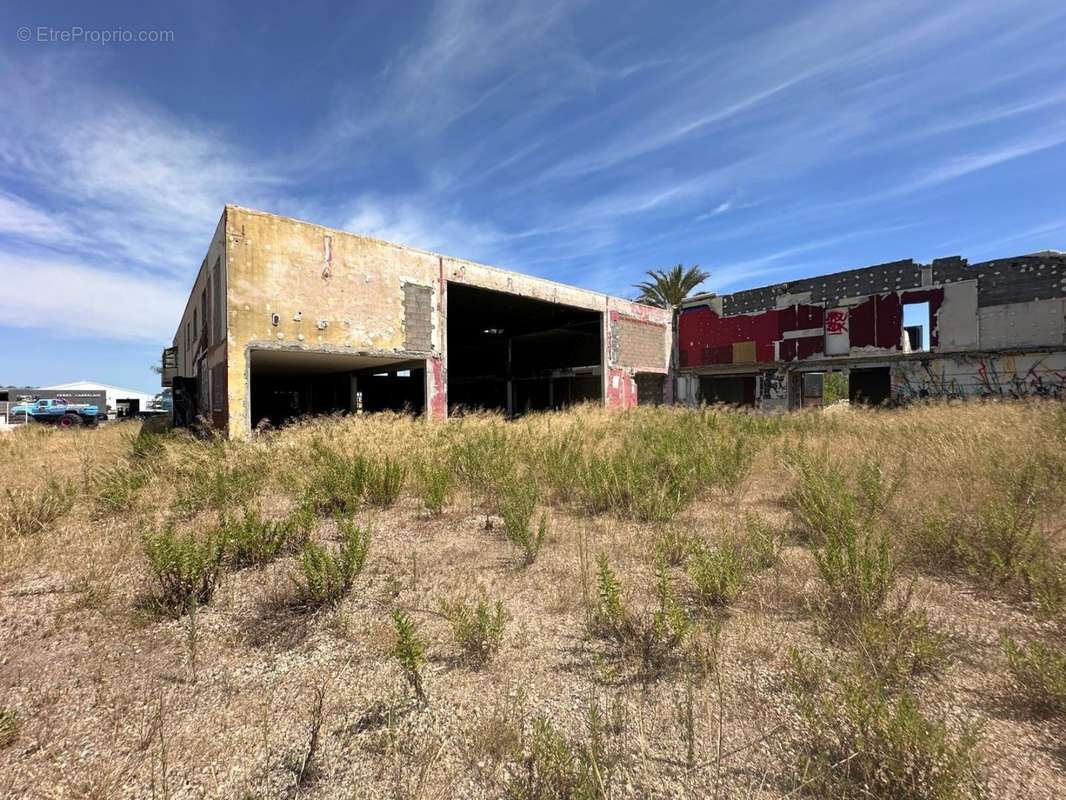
(302, 287)
(1009, 305)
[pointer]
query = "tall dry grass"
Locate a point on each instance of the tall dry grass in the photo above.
(707, 520)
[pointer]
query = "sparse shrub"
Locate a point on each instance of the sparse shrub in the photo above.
(410, 652)
(675, 545)
(660, 638)
(934, 542)
(1038, 674)
(820, 498)
(899, 644)
(337, 483)
(219, 482)
(762, 544)
(435, 478)
(1000, 544)
(324, 577)
(857, 571)
(560, 460)
(483, 460)
(824, 500)
(608, 618)
(145, 445)
(1006, 541)
(857, 742)
(654, 637)
(114, 488)
(9, 727)
(724, 463)
(384, 481)
(254, 541)
(477, 626)
(645, 479)
(718, 574)
(552, 767)
(875, 487)
(1048, 579)
(519, 504)
(29, 511)
(187, 567)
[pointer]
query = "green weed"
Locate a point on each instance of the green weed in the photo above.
(323, 577)
(410, 652)
(186, 567)
(718, 574)
(1038, 674)
(477, 626)
(858, 742)
(384, 481)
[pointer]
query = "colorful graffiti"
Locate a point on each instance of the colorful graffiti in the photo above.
(990, 376)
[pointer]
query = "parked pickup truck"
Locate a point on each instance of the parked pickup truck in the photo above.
(58, 412)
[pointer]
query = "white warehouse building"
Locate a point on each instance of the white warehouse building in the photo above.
(120, 401)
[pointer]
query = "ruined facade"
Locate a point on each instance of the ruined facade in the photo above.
(288, 318)
(897, 332)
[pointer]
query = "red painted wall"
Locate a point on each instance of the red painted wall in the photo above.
(706, 338)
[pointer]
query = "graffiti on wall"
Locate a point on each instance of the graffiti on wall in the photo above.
(991, 376)
(774, 385)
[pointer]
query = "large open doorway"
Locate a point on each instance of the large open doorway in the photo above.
(516, 354)
(289, 384)
(870, 385)
(733, 390)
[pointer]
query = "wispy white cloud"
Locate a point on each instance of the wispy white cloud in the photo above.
(718, 210)
(68, 297)
(116, 177)
(21, 219)
(747, 272)
(960, 166)
(405, 221)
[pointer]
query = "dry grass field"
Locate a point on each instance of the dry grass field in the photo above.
(657, 603)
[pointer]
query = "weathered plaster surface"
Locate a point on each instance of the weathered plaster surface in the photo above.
(957, 318)
(295, 285)
(1039, 322)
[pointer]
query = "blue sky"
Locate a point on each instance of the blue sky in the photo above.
(585, 142)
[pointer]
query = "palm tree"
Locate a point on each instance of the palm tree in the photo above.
(668, 289)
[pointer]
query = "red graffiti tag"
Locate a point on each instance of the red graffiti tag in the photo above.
(836, 322)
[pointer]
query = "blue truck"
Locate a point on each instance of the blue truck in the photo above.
(57, 412)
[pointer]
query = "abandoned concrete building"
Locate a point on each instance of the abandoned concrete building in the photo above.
(897, 332)
(288, 319)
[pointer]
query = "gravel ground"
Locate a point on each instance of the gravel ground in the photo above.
(112, 703)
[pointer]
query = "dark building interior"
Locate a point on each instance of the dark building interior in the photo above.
(516, 354)
(734, 390)
(870, 386)
(287, 385)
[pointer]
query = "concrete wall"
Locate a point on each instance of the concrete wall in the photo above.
(1010, 314)
(200, 343)
(1033, 324)
(295, 285)
(957, 377)
(299, 286)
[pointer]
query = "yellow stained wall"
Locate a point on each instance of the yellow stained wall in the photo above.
(308, 273)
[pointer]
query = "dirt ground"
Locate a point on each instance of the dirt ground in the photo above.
(112, 698)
